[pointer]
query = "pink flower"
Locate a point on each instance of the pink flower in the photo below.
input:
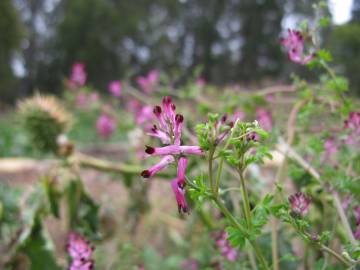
(179, 191)
(299, 204)
(78, 75)
(80, 251)
(144, 115)
(200, 82)
(94, 97)
(357, 221)
(352, 124)
(226, 250)
(133, 106)
(264, 118)
(81, 99)
(164, 162)
(169, 132)
(190, 264)
(330, 147)
(238, 115)
(105, 126)
(115, 88)
(295, 45)
(148, 83)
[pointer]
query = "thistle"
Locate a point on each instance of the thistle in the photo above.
(44, 118)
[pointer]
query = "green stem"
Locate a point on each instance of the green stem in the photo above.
(259, 255)
(246, 203)
(218, 176)
(221, 162)
(104, 165)
(335, 254)
(211, 156)
(274, 244)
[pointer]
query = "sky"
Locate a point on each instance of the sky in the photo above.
(341, 10)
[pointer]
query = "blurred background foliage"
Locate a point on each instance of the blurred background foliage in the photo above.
(233, 41)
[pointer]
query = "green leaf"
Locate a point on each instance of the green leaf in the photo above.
(83, 211)
(324, 21)
(235, 237)
(324, 55)
(36, 247)
(52, 194)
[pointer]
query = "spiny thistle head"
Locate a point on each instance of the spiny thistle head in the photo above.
(44, 118)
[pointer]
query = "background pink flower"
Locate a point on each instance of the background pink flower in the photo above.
(78, 74)
(115, 88)
(105, 126)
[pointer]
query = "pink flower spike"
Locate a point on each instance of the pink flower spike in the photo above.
(144, 115)
(200, 82)
(330, 148)
(81, 99)
(299, 204)
(295, 45)
(78, 247)
(164, 162)
(264, 118)
(182, 170)
(153, 77)
(78, 74)
(115, 88)
(94, 97)
(179, 192)
(105, 126)
(169, 108)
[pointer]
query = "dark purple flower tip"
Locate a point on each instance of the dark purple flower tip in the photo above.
(149, 150)
(154, 129)
(223, 118)
(179, 118)
(181, 184)
(167, 100)
(146, 174)
(173, 107)
(157, 110)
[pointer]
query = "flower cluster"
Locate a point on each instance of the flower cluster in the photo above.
(80, 251)
(226, 250)
(105, 125)
(169, 132)
(148, 83)
(295, 45)
(78, 76)
(353, 126)
(299, 204)
(190, 264)
(330, 148)
(83, 99)
(115, 88)
(264, 118)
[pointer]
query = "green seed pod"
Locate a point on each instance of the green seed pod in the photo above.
(44, 118)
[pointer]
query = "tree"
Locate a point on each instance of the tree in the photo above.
(9, 43)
